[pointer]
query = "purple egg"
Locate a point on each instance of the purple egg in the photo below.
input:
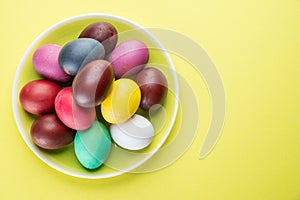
(128, 58)
(45, 62)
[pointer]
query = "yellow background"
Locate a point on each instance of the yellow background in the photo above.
(256, 48)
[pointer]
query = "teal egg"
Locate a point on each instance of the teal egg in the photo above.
(92, 146)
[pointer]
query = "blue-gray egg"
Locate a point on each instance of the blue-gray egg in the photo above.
(92, 146)
(77, 53)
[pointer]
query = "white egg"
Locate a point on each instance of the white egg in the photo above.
(134, 134)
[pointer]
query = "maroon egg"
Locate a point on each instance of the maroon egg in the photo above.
(49, 132)
(38, 96)
(92, 83)
(104, 32)
(70, 113)
(153, 85)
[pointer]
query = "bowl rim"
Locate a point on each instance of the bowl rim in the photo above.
(16, 83)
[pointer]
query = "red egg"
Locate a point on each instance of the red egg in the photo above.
(38, 96)
(49, 132)
(70, 113)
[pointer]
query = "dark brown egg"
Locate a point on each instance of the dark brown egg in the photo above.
(49, 132)
(38, 96)
(153, 85)
(104, 32)
(91, 85)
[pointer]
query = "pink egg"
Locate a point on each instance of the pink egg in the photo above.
(129, 57)
(45, 62)
(70, 113)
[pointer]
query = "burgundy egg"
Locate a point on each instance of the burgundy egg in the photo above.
(92, 83)
(104, 32)
(70, 113)
(153, 85)
(38, 96)
(49, 132)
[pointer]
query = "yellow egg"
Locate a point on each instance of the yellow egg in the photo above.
(122, 102)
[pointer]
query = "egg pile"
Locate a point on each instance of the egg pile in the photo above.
(90, 71)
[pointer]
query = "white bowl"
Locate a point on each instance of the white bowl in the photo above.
(120, 160)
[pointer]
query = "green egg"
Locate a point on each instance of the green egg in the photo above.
(92, 146)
